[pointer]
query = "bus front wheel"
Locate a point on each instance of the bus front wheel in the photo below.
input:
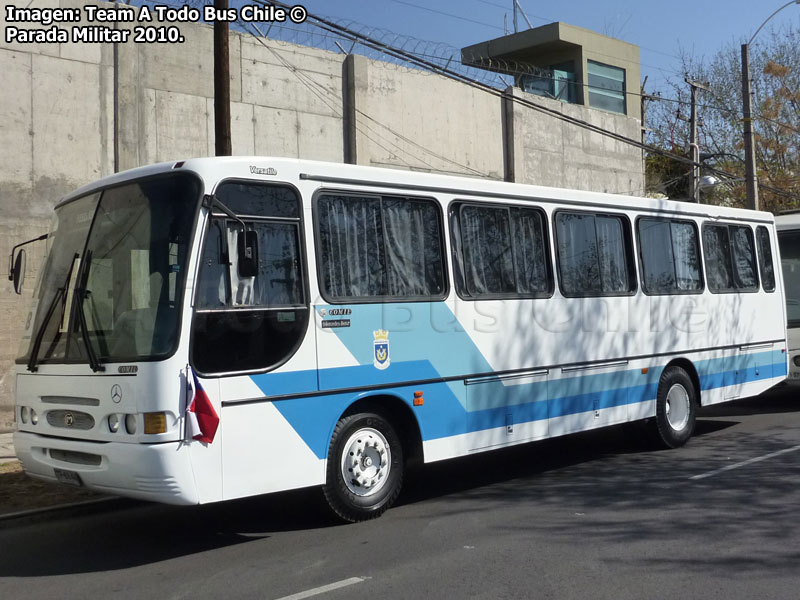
(676, 408)
(365, 467)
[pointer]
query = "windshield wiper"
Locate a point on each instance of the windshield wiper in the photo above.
(61, 294)
(83, 293)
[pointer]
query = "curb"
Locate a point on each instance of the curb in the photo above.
(63, 511)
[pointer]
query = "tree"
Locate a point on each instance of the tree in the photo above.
(775, 71)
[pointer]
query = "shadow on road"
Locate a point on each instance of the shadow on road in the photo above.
(604, 470)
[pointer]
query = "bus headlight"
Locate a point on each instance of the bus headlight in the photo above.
(796, 360)
(113, 423)
(34, 417)
(155, 422)
(130, 424)
(23, 414)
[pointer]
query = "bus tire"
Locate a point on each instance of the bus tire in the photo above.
(676, 408)
(365, 467)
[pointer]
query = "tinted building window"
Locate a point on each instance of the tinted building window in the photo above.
(606, 87)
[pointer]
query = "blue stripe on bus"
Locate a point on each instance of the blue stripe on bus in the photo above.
(445, 412)
(454, 408)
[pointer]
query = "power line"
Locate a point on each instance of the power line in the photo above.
(309, 83)
(445, 71)
(446, 14)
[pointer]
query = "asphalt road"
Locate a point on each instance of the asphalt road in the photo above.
(589, 516)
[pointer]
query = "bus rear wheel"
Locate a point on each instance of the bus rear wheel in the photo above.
(676, 408)
(365, 467)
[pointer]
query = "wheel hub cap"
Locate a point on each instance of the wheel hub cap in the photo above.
(678, 407)
(366, 462)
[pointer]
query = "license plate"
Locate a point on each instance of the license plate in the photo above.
(68, 477)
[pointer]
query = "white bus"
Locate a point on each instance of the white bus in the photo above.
(327, 323)
(788, 225)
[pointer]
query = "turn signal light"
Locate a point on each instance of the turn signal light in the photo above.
(419, 400)
(155, 422)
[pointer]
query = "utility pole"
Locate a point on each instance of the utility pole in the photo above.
(644, 98)
(222, 83)
(749, 148)
(694, 190)
(747, 108)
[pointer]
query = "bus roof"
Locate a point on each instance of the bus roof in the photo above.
(787, 221)
(214, 169)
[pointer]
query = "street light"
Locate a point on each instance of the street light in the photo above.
(709, 182)
(749, 149)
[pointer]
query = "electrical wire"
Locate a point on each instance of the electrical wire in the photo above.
(377, 45)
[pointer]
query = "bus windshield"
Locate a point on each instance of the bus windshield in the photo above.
(114, 274)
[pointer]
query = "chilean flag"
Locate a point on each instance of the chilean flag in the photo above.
(201, 418)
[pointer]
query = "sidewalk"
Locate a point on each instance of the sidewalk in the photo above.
(6, 448)
(24, 500)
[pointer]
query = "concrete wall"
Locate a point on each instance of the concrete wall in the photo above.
(71, 113)
(564, 155)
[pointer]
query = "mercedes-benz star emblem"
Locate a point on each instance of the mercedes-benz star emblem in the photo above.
(69, 419)
(116, 393)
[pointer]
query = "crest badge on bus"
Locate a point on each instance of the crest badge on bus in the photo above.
(381, 344)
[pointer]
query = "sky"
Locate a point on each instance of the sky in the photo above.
(662, 30)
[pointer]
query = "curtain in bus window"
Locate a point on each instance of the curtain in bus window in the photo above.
(578, 254)
(744, 257)
(351, 240)
(687, 256)
(719, 271)
(611, 252)
(529, 251)
(765, 259)
(486, 240)
(658, 265)
(413, 251)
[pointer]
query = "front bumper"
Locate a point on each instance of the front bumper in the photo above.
(157, 472)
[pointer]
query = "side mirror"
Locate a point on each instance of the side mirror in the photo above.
(16, 267)
(247, 246)
(18, 272)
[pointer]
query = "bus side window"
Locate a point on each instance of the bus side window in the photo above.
(766, 267)
(595, 256)
(500, 252)
(744, 257)
(719, 270)
(670, 254)
(730, 258)
(379, 248)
